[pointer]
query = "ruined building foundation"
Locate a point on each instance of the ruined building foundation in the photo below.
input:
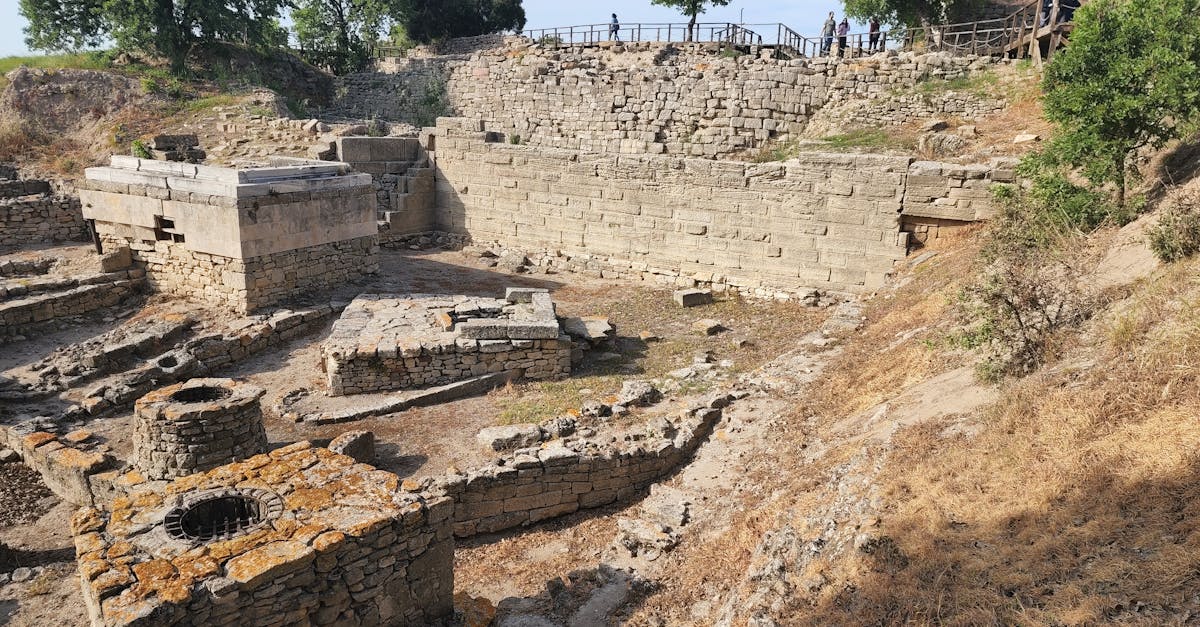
(242, 239)
(300, 536)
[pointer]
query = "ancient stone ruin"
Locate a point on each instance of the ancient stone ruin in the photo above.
(302, 535)
(243, 239)
(196, 426)
(389, 342)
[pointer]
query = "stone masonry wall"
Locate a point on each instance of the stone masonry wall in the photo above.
(24, 316)
(347, 548)
(41, 219)
(541, 483)
(641, 98)
(823, 221)
(251, 284)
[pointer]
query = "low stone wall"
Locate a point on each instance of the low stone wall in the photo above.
(67, 463)
(25, 316)
(683, 99)
(41, 219)
(341, 546)
(388, 342)
(541, 483)
(17, 188)
(202, 356)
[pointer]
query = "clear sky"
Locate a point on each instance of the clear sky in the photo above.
(805, 16)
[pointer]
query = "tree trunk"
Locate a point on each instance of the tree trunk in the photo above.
(691, 36)
(1120, 176)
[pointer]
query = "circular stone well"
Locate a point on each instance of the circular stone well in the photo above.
(195, 426)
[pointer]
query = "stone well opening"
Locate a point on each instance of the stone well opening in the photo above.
(221, 515)
(200, 394)
(197, 425)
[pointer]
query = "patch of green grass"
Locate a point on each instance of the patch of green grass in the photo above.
(81, 61)
(868, 138)
(983, 83)
(209, 102)
(777, 152)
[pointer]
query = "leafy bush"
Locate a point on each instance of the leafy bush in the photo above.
(1177, 234)
(139, 149)
(1033, 285)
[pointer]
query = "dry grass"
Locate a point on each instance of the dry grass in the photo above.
(1075, 505)
(767, 329)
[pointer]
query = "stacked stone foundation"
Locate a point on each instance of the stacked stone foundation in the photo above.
(196, 426)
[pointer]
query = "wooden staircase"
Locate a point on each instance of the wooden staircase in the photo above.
(1035, 31)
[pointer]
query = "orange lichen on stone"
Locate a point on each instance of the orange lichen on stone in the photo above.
(197, 567)
(112, 579)
(130, 479)
(240, 544)
(409, 485)
(329, 541)
(295, 447)
(86, 520)
(40, 438)
(268, 562)
(78, 436)
(309, 499)
(75, 458)
(92, 567)
(119, 549)
(88, 543)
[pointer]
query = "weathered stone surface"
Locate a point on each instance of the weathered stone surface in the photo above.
(391, 342)
(590, 329)
(707, 326)
(638, 394)
(693, 297)
(358, 445)
(509, 437)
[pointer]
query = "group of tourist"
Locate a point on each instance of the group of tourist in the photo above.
(841, 30)
(831, 29)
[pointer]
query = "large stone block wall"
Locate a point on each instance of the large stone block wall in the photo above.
(820, 221)
(827, 221)
(643, 98)
(41, 219)
(244, 239)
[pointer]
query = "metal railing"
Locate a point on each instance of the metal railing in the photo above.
(594, 34)
(984, 37)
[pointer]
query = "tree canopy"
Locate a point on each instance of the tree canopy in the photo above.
(337, 34)
(434, 20)
(690, 8)
(911, 12)
(170, 28)
(1129, 79)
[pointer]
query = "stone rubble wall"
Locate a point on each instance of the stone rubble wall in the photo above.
(642, 98)
(41, 219)
(949, 191)
(538, 484)
(348, 548)
(420, 367)
(251, 284)
(172, 438)
(25, 316)
(204, 355)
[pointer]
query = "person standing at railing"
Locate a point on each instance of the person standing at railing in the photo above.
(843, 30)
(614, 29)
(874, 34)
(827, 32)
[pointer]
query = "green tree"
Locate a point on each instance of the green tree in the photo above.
(435, 20)
(169, 28)
(338, 34)
(911, 12)
(1129, 79)
(690, 8)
